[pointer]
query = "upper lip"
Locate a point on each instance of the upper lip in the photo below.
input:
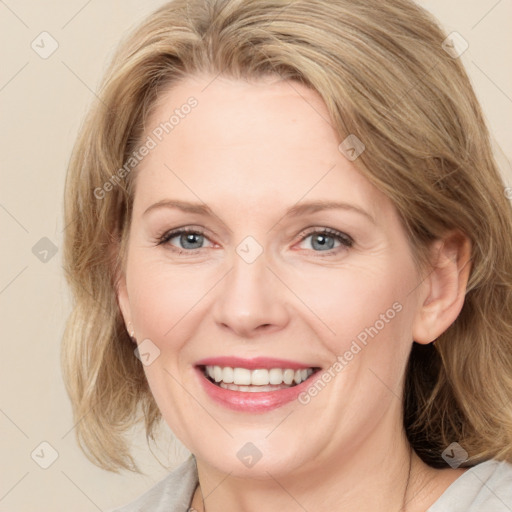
(253, 363)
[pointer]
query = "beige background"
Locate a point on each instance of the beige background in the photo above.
(42, 103)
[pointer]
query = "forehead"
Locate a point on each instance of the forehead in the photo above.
(252, 144)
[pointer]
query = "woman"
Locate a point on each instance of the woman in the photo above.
(289, 239)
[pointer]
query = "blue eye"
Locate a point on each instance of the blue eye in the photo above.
(323, 240)
(188, 238)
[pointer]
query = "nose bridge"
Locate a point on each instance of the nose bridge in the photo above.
(250, 296)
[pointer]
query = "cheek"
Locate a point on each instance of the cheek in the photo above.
(161, 298)
(349, 300)
(367, 314)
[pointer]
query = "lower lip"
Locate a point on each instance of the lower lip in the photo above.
(252, 401)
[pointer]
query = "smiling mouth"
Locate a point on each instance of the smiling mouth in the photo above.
(256, 380)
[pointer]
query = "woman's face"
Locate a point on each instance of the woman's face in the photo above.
(267, 276)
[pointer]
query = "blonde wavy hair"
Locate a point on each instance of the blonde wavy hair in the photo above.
(385, 76)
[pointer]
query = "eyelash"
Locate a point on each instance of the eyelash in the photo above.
(345, 240)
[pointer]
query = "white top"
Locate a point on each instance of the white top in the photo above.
(486, 487)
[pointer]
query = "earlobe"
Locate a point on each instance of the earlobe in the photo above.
(445, 287)
(121, 290)
(124, 306)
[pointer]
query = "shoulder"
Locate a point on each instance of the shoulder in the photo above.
(484, 487)
(172, 494)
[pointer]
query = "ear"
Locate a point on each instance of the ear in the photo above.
(121, 289)
(444, 287)
(122, 300)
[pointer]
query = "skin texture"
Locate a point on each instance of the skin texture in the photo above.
(250, 151)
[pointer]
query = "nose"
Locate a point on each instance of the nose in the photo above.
(251, 299)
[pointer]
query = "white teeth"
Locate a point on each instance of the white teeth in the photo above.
(260, 377)
(242, 376)
(288, 376)
(275, 376)
(244, 379)
(251, 389)
(228, 375)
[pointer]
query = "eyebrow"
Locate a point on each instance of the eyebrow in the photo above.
(294, 211)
